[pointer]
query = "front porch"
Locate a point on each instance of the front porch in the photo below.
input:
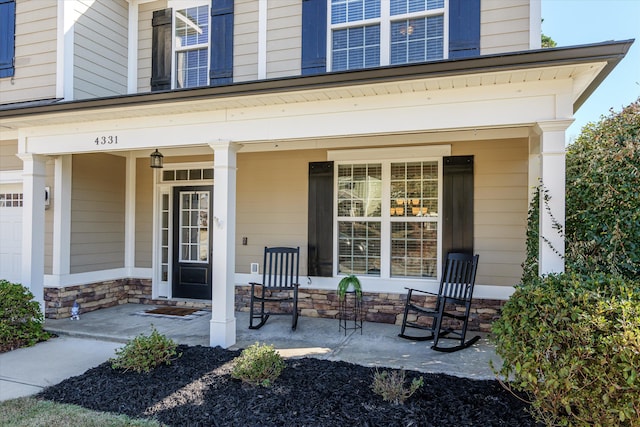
(377, 346)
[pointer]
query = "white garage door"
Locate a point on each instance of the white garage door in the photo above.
(10, 232)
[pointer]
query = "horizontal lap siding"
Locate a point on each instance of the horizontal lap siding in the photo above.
(144, 213)
(272, 206)
(284, 38)
(35, 53)
(100, 51)
(145, 16)
(8, 159)
(504, 26)
(500, 207)
(97, 212)
(245, 39)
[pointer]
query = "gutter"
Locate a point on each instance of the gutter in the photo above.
(611, 52)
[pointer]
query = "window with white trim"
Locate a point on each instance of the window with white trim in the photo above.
(370, 33)
(388, 217)
(191, 45)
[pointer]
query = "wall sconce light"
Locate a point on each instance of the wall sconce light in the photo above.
(156, 159)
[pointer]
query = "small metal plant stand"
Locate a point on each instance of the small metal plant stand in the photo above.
(351, 311)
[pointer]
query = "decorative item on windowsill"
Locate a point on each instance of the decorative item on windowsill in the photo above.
(347, 282)
(75, 311)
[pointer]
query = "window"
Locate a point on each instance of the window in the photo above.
(387, 218)
(191, 46)
(7, 37)
(370, 33)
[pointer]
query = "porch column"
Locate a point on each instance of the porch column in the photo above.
(223, 322)
(33, 174)
(130, 216)
(552, 214)
(61, 200)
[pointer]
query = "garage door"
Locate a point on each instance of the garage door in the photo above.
(11, 232)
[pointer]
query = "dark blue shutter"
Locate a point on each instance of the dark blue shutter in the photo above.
(161, 50)
(457, 205)
(320, 220)
(7, 37)
(221, 46)
(464, 28)
(314, 36)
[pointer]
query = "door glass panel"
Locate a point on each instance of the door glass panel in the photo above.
(194, 226)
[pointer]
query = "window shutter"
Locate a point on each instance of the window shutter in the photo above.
(161, 50)
(320, 238)
(7, 37)
(457, 198)
(464, 28)
(221, 45)
(314, 36)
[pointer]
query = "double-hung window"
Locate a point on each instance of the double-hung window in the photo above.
(370, 33)
(191, 46)
(388, 217)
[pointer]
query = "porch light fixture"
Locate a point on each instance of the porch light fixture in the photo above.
(156, 159)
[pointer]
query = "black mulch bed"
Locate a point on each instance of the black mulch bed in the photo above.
(197, 390)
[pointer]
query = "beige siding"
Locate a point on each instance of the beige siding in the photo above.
(8, 159)
(97, 212)
(284, 38)
(500, 207)
(504, 26)
(272, 203)
(100, 48)
(145, 32)
(35, 53)
(144, 213)
(245, 40)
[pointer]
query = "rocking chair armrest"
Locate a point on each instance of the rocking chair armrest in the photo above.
(421, 291)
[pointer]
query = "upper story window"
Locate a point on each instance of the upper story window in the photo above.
(191, 46)
(370, 33)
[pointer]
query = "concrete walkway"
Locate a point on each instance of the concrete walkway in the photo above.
(87, 342)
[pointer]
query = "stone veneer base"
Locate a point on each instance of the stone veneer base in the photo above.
(378, 307)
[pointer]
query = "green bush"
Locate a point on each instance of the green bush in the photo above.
(572, 343)
(258, 365)
(21, 320)
(391, 386)
(145, 352)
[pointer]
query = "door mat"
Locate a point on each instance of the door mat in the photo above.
(181, 313)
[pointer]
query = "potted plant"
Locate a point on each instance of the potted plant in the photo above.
(350, 281)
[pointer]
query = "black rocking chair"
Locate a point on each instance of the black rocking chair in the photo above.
(279, 285)
(456, 289)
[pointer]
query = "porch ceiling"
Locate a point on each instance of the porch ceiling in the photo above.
(585, 65)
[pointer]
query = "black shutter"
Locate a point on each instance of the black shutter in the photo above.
(457, 198)
(161, 50)
(320, 239)
(464, 28)
(314, 36)
(221, 45)
(7, 37)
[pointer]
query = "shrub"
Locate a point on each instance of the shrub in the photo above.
(21, 320)
(258, 365)
(572, 343)
(391, 386)
(145, 352)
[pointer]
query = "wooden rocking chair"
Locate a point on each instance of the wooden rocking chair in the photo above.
(456, 289)
(279, 285)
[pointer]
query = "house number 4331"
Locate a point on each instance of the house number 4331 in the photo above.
(106, 139)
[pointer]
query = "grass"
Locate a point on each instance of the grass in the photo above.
(30, 412)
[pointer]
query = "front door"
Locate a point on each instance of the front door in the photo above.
(192, 209)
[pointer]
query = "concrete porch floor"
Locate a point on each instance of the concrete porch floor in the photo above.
(377, 346)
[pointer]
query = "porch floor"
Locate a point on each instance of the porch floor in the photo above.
(378, 345)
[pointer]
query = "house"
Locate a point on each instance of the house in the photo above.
(376, 135)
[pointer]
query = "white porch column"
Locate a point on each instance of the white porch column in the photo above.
(552, 176)
(223, 322)
(33, 224)
(130, 215)
(61, 200)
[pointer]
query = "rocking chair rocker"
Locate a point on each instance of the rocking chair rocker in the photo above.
(456, 289)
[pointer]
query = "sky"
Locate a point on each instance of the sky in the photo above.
(576, 22)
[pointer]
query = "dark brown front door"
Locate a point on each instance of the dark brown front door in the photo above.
(192, 210)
